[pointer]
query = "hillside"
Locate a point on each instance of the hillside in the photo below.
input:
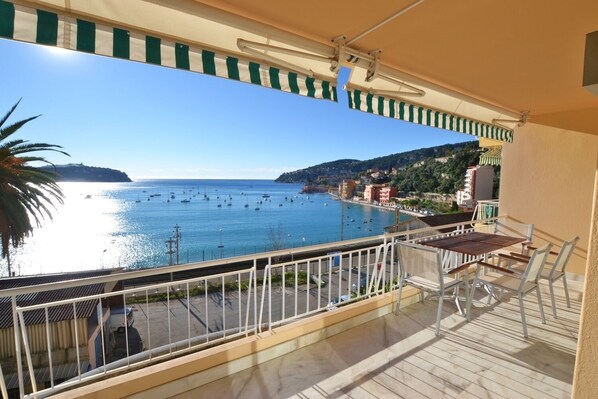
(82, 173)
(347, 168)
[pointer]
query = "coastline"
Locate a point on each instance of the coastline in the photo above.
(380, 207)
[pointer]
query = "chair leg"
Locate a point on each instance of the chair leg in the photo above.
(397, 310)
(439, 314)
(490, 291)
(566, 291)
(522, 315)
(457, 302)
(540, 304)
(470, 295)
(552, 300)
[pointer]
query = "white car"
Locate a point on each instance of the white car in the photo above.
(117, 318)
(332, 304)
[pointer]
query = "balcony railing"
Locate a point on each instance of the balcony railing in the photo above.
(172, 318)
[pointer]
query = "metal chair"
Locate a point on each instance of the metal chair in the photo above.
(508, 227)
(519, 283)
(421, 267)
(554, 270)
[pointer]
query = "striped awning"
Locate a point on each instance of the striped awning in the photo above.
(412, 112)
(493, 156)
(49, 28)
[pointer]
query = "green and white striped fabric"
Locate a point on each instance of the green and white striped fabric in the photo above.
(48, 28)
(493, 156)
(409, 112)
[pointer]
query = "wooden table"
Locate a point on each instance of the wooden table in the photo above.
(474, 244)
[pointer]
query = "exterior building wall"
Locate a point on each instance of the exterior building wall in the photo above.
(347, 188)
(386, 193)
(477, 186)
(372, 192)
(585, 384)
(547, 178)
(483, 183)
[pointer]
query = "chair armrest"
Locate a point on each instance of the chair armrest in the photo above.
(534, 248)
(518, 255)
(497, 268)
(462, 267)
(515, 258)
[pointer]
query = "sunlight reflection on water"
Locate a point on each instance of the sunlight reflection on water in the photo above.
(82, 235)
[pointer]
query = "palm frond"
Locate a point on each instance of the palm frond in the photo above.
(28, 194)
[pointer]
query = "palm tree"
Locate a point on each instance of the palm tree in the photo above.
(26, 192)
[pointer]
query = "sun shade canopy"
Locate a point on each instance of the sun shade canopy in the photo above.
(493, 156)
(194, 36)
(423, 104)
(55, 29)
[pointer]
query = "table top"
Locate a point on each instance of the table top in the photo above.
(474, 243)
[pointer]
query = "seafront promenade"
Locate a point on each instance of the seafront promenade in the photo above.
(387, 208)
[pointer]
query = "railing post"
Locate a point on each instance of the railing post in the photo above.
(3, 384)
(49, 343)
(15, 323)
(266, 272)
(27, 352)
(77, 340)
(255, 315)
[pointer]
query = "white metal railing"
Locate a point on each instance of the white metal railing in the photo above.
(208, 293)
(327, 281)
(175, 317)
(485, 210)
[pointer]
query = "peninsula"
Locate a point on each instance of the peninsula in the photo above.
(83, 173)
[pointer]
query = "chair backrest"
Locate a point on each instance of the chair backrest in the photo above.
(535, 264)
(507, 227)
(564, 255)
(421, 261)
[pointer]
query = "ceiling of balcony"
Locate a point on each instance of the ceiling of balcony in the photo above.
(522, 56)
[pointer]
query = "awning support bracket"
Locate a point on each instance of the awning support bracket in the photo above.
(520, 122)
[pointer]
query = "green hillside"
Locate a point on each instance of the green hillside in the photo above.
(82, 173)
(349, 168)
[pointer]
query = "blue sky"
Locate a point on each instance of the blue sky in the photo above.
(151, 121)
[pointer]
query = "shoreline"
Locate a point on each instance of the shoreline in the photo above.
(380, 207)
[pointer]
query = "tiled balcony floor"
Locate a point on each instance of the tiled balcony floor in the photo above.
(399, 356)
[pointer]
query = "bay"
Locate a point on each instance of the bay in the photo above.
(105, 225)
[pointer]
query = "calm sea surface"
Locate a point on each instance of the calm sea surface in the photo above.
(128, 224)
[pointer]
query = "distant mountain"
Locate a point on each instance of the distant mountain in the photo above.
(82, 173)
(346, 168)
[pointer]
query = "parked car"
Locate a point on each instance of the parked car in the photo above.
(117, 318)
(332, 304)
(134, 340)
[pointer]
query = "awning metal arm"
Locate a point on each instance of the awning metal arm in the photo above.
(253, 48)
(384, 22)
(415, 91)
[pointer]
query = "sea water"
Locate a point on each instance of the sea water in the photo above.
(105, 225)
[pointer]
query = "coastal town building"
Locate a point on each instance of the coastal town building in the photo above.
(347, 189)
(386, 193)
(371, 192)
(478, 186)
